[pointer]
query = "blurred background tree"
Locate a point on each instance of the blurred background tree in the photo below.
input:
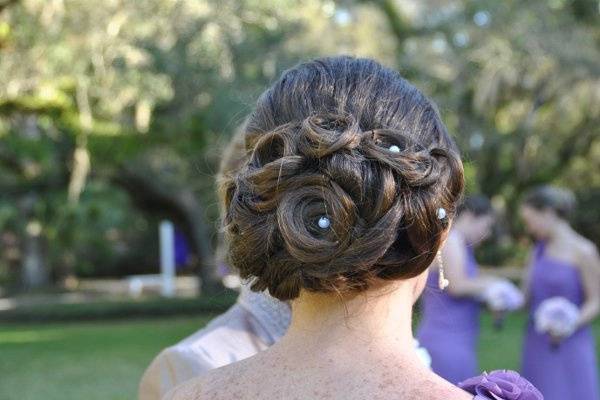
(519, 84)
(112, 115)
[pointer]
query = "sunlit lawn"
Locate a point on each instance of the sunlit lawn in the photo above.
(104, 360)
(83, 361)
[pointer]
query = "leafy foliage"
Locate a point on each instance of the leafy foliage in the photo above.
(98, 102)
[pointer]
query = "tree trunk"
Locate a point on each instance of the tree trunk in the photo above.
(182, 207)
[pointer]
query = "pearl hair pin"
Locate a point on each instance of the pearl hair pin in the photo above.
(441, 213)
(394, 149)
(324, 223)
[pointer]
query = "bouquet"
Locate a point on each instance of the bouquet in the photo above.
(557, 317)
(422, 353)
(502, 297)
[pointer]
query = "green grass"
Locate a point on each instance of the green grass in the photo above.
(501, 349)
(83, 361)
(105, 360)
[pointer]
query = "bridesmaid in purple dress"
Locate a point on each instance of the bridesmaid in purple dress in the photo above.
(449, 326)
(564, 264)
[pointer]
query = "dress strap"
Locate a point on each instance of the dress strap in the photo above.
(540, 247)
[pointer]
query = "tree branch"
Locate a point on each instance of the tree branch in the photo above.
(6, 4)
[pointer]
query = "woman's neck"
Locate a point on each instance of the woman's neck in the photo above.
(345, 347)
(376, 322)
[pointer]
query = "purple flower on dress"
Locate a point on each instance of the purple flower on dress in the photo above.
(501, 385)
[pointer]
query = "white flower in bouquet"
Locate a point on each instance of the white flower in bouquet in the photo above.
(503, 295)
(556, 316)
(422, 353)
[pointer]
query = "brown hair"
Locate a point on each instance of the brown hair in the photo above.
(561, 201)
(321, 140)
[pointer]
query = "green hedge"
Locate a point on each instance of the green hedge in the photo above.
(155, 307)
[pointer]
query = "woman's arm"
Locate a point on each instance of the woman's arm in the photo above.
(526, 278)
(589, 266)
(454, 258)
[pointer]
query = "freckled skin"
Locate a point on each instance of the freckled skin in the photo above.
(360, 348)
(270, 376)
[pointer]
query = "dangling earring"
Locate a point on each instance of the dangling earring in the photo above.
(442, 281)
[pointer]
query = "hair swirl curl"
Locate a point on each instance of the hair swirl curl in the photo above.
(320, 141)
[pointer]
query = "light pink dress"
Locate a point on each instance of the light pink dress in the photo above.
(255, 322)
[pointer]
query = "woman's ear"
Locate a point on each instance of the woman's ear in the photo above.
(445, 233)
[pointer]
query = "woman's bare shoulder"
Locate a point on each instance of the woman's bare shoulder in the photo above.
(441, 389)
(586, 252)
(449, 393)
(586, 247)
(185, 391)
(211, 385)
(217, 385)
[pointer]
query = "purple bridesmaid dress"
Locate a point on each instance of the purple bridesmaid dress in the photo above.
(568, 372)
(449, 327)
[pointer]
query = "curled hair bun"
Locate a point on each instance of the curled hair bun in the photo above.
(378, 179)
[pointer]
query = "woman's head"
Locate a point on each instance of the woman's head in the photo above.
(543, 207)
(475, 218)
(349, 166)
